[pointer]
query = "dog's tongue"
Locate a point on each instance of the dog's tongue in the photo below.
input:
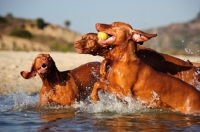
(40, 70)
(110, 40)
(79, 50)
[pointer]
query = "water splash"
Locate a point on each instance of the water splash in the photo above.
(18, 102)
(23, 101)
(198, 86)
(188, 51)
(111, 103)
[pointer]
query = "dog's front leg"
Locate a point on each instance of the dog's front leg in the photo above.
(101, 85)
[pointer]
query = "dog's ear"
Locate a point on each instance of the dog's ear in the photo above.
(140, 36)
(28, 75)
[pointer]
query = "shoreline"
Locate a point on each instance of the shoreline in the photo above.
(13, 62)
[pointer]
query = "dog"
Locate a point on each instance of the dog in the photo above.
(130, 75)
(184, 70)
(66, 87)
(88, 45)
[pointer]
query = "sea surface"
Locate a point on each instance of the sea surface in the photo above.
(19, 113)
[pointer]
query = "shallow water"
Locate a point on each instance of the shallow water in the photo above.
(19, 113)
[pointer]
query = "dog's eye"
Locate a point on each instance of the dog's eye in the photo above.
(90, 38)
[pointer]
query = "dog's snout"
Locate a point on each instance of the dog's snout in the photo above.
(77, 42)
(97, 25)
(44, 58)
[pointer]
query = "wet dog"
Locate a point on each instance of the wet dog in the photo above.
(66, 87)
(184, 70)
(130, 75)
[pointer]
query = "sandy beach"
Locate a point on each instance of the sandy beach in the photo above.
(12, 63)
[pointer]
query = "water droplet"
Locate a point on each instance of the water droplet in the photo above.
(188, 50)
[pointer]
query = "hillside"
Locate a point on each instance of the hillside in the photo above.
(22, 34)
(180, 38)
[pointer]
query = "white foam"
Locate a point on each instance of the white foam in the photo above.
(23, 101)
(110, 103)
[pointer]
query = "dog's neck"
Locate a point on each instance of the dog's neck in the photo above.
(127, 51)
(52, 78)
(101, 51)
(104, 51)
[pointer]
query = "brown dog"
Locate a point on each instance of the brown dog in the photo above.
(65, 87)
(130, 75)
(184, 70)
(89, 45)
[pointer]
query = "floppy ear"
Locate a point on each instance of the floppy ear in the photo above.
(140, 36)
(28, 75)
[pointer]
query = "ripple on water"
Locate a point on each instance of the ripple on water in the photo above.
(18, 112)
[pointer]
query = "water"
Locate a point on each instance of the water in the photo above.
(18, 112)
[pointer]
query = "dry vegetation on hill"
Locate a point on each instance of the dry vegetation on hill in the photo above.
(22, 34)
(180, 38)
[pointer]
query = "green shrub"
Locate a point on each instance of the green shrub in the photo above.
(62, 47)
(179, 44)
(67, 23)
(9, 16)
(21, 33)
(2, 19)
(40, 23)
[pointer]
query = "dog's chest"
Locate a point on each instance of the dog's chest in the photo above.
(122, 70)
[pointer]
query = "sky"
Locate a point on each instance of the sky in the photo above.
(83, 14)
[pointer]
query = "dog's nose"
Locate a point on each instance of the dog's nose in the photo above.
(44, 58)
(97, 24)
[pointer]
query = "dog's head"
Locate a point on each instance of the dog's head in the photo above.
(42, 64)
(88, 44)
(119, 33)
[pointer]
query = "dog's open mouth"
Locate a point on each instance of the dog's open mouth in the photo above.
(111, 39)
(42, 69)
(44, 66)
(79, 47)
(83, 50)
(79, 50)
